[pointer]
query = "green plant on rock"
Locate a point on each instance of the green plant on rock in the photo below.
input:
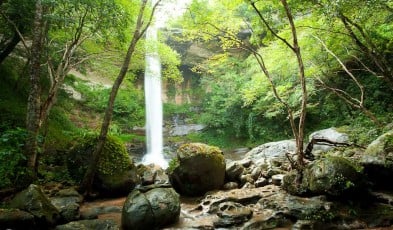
(114, 158)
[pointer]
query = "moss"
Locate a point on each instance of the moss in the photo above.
(114, 158)
(173, 164)
(190, 149)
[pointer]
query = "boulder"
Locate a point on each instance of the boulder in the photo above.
(335, 176)
(272, 151)
(378, 161)
(16, 219)
(331, 134)
(116, 173)
(198, 168)
(118, 183)
(151, 209)
(96, 224)
(34, 201)
(67, 201)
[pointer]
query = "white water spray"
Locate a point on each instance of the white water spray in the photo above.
(153, 102)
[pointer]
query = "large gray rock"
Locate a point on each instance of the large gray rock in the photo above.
(330, 134)
(150, 209)
(34, 201)
(378, 160)
(265, 153)
(335, 176)
(197, 169)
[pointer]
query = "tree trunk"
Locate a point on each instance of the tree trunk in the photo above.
(86, 185)
(34, 99)
(302, 79)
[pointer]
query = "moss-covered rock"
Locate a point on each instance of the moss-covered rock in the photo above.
(197, 169)
(378, 160)
(335, 176)
(34, 201)
(116, 172)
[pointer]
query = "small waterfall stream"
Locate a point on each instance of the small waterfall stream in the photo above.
(153, 102)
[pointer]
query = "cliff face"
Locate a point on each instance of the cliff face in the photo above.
(193, 53)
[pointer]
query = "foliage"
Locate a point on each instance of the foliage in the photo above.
(128, 111)
(12, 160)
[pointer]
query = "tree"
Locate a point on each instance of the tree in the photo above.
(298, 131)
(368, 25)
(62, 28)
(33, 105)
(138, 32)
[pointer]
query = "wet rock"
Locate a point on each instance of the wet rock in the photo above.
(261, 182)
(94, 212)
(378, 161)
(246, 179)
(335, 176)
(16, 219)
(152, 174)
(298, 207)
(232, 213)
(96, 224)
(197, 169)
(233, 171)
(34, 201)
(230, 186)
(67, 201)
(256, 172)
(266, 219)
(304, 225)
(248, 185)
(69, 209)
(277, 179)
(150, 209)
(210, 203)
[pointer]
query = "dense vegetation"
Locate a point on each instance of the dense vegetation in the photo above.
(346, 48)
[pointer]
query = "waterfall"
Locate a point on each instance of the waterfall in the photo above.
(153, 102)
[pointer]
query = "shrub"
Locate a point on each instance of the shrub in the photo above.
(12, 160)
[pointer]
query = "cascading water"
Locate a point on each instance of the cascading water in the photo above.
(153, 102)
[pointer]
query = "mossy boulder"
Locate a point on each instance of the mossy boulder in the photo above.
(378, 161)
(198, 168)
(116, 173)
(334, 176)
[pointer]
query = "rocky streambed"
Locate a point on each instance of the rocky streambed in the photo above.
(343, 188)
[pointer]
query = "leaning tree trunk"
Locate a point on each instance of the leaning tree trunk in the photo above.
(34, 100)
(9, 47)
(87, 182)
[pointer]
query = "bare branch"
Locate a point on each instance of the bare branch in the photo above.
(269, 27)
